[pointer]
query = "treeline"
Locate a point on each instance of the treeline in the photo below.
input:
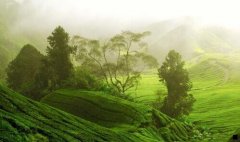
(113, 66)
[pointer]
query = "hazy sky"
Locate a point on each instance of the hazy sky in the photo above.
(118, 14)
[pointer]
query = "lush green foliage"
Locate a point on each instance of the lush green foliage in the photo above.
(84, 78)
(172, 73)
(22, 71)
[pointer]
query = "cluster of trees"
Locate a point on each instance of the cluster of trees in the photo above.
(31, 73)
(115, 65)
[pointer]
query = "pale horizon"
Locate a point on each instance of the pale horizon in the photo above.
(126, 13)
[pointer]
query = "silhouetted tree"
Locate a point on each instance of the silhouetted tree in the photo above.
(172, 73)
(58, 58)
(22, 70)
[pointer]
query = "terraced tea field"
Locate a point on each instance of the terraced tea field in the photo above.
(122, 116)
(23, 119)
(216, 88)
(217, 109)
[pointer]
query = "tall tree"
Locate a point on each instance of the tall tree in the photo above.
(23, 69)
(58, 57)
(172, 73)
(120, 60)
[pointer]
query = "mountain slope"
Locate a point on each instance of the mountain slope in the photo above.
(190, 38)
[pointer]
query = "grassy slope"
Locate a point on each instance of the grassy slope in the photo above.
(218, 109)
(216, 83)
(25, 120)
(120, 115)
(147, 88)
(97, 107)
(217, 106)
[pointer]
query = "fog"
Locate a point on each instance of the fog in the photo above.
(103, 17)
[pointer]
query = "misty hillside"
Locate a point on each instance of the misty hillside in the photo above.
(11, 40)
(7, 47)
(190, 39)
(185, 35)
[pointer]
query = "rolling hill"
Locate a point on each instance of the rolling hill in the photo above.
(115, 113)
(23, 119)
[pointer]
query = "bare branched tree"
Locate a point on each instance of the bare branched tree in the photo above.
(121, 60)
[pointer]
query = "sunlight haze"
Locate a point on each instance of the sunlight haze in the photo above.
(130, 12)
